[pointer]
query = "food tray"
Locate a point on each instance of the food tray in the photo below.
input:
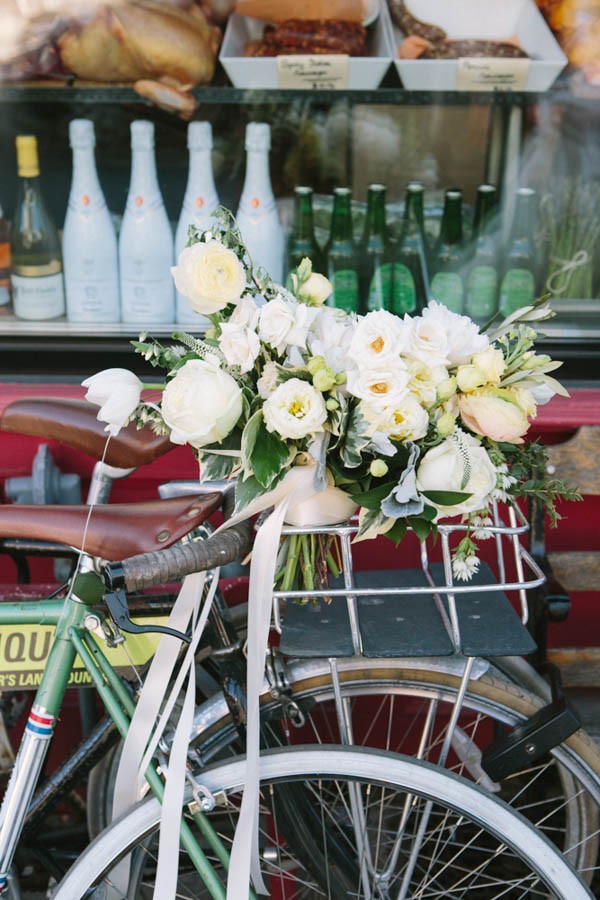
(482, 19)
(363, 72)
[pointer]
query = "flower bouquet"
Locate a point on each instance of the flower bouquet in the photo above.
(406, 420)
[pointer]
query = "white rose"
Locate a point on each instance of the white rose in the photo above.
(117, 393)
(210, 276)
(295, 410)
(407, 421)
(275, 322)
(462, 333)
(201, 404)
(378, 337)
(428, 342)
(315, 290)
(379, 388)
(239, 346)
(461, 464)
(245, 314)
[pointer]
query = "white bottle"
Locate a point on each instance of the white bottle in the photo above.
(90, 258)
(199, 202)
(257, 215)
(146, 239)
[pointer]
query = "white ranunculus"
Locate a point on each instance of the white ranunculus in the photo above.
(201, 404)
(117, 393)
(239, 346)
(428, 342)
(459, 463)
(379, 388)
(378, 338)
(295, 409)
(210, 276)
(406, 421)
(462, 334)
(315, 290)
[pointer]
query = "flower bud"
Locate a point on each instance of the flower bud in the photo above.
(332, 404)
(324, 379)
(469, 378)
(446, 389)
(315, 290)
(491, 363)
(378, 468)
(315, 363)
(445, 424)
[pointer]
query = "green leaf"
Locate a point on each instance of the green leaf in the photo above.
(246, 491)
(216, 467)
(373, 498)
(397, 531)
(420, 526)
(266, 454)
(371, 523)
(446, 498)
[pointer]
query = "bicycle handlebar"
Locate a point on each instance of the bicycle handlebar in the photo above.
(174, 563)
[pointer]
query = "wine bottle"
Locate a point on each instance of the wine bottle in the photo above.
(90, 255)
(302, 242)
(146, 239)
(481, 296)
(5, 306)
(410, 276)
(199, 202)
(341, 266)
(448, 255)
(376, 266)
(520, 269)
(257, 216)
(37, 280)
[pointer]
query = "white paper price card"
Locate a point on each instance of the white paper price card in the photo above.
(328, 72)
(491, 73)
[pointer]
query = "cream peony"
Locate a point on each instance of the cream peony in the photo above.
(201, 404)
(495, 413)
(459, 463)
(295, 409)
(117, 393)
(462, 334)
(210, 276)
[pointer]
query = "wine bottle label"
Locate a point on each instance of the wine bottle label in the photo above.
(92, 300)
(517, 290)
(345, 290)
(404, 299)
(447, 288)
(38, 298)
(149, 302)
(482, 288)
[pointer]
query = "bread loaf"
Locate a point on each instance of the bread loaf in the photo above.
(282, 10)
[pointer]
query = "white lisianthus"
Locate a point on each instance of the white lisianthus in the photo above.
(428, 342)
(379, 388)
(239, 346)
(378, 338)
(201, 404)
(295, 409)
(315, 290)
(210, 276)
(462, 334)
(117, 393)
(460, 464)
(267, 382)
(406, 421)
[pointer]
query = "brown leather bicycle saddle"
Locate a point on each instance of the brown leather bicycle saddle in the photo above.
(74, 422)
(115, 531)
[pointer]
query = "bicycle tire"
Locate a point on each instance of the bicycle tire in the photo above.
(469, 834)
(563, 790)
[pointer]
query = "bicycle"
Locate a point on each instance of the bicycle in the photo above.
(406, 780)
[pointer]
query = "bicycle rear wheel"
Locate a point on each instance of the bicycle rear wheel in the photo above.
(366, 824)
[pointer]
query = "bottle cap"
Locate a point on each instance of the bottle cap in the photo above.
(414, 186)
(342, 191)
(258, 136)
(303, 190)
(526, 192)
(81, 133)
(142, 134)
(376, 187)
(199, 136)
(27, 156)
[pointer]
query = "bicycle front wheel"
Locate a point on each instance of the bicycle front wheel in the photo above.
(347, 822)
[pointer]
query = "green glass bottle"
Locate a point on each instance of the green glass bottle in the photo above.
(411, 280)
(376, 264)
(482, 276)
(302, 241)
(520, 269)
(341, 257)
(448, 258)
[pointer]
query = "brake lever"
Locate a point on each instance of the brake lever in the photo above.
(116, 602)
